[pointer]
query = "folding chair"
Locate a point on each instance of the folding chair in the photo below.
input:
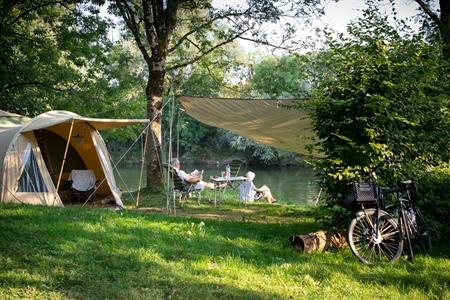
(235, 167)
(183, 189)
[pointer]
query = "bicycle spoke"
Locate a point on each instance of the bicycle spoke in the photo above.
(391, 253)
(387, 235)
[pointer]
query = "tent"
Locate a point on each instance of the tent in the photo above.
(32, 152)
(270, 122)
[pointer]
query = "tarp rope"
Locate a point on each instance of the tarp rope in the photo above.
(116, 164)
(128, 150)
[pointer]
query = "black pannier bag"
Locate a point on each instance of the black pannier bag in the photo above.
(361, 192)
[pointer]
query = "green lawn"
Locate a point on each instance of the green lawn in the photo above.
(234, 252)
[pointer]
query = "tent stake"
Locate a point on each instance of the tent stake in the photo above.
(65, 155)
(142, 167)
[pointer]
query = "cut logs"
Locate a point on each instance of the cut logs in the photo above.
(318, 241)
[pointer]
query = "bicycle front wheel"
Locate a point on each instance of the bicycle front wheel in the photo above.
(370, 245)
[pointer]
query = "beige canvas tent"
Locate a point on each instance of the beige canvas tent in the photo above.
(33, 151)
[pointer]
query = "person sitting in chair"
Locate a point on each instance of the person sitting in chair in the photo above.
(195, 177)
(248, 191)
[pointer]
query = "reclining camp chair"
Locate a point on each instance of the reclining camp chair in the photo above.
(182, 189)
(83, 185)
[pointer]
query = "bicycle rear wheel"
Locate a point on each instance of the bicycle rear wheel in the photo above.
(372, 246)
(418, 231)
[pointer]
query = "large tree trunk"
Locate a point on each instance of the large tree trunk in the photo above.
(442, 21)
(445, 28)
(154, 93)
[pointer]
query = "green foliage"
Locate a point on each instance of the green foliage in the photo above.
(51, 54)
(257, 151)
(196, 140)
(53, 253)
(434, 189)
(383, 93)
(283, 77)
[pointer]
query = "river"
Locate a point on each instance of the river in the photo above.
(296, 185)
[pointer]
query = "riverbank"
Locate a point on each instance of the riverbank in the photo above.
(54, 253)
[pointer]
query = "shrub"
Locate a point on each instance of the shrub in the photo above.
(434, 200)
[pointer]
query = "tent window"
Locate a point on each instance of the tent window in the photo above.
(31, 180)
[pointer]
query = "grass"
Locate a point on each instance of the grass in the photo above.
(231, 252)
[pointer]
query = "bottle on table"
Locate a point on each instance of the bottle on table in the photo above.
(227, 172)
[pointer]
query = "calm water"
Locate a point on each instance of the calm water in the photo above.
(288, 185)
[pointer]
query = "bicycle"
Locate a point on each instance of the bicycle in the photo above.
(375, 235)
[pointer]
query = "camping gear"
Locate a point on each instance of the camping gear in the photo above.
(37, 156)
(271, 122)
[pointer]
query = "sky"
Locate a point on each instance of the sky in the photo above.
(337, 16)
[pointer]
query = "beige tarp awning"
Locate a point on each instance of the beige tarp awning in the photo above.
(60, 117)
(265, 121)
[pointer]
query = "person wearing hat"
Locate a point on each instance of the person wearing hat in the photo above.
(249, 192)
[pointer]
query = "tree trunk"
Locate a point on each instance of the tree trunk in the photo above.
(154, 93)
(445, 28)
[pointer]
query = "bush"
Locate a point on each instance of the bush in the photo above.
(382, 94)
(434, 200)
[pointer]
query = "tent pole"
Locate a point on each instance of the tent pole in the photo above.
(142, 167)
(65, 155)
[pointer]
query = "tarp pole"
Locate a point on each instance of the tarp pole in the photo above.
(142, 167)
(171, 152)
(178, 133)
(65, 155)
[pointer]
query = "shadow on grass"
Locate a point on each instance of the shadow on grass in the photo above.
(85, 253)
(97, 254)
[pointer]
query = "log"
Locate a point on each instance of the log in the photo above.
(318, 241)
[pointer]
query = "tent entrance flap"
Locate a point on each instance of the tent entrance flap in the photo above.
(265, 121)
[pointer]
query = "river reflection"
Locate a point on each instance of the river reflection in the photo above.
(289, 184)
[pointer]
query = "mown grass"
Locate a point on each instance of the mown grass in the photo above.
(235, 252)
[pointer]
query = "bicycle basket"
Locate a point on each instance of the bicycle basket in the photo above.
(361, 192)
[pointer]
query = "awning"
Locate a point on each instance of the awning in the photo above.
(265, 121)
(58, 117)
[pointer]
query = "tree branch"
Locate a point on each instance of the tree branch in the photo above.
(30, 10)
(150, 22)
(197, 58)
(128, 16)
(265, 43)
(36, 83)
(429, 12)
(204, 25)
(171, 18)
